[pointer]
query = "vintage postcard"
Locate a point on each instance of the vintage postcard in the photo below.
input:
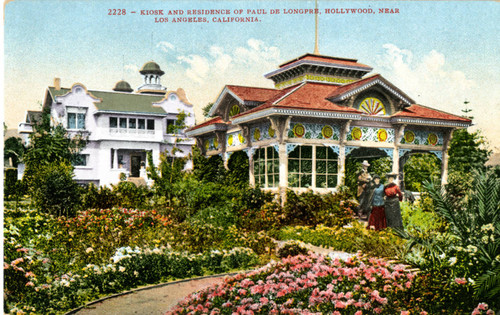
(147, 141)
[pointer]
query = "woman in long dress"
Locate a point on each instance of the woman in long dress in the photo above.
(393, 196)
(377, 215)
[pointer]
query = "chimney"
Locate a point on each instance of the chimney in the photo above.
(57, 83)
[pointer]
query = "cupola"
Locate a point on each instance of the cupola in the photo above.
(151, 73)
(122, 86)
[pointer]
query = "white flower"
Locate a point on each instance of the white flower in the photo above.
(442, 256)
(485, 239)
(89, 250)
(488, 227)
(136, 273)
(121, 269)
(452, 261)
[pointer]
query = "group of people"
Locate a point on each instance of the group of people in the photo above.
(380, 203)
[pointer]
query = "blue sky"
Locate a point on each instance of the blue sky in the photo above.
(440, 53)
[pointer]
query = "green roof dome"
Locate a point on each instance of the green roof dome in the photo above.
(122, 86)
(151, 68)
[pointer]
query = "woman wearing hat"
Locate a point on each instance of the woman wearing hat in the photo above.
(393, 196)
(364, 179)
(377, 215)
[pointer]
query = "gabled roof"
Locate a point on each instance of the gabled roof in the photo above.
(252, 94)
(420, 111)
(350, 89)
(119, 101)
(243, 94)
(33, 116)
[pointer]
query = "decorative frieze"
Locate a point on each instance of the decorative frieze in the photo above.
(370, 134)
(313, 131)
(235, 139)
(422, 137)
(262, 132)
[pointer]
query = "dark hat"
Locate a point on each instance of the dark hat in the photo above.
(393, 175)
(376, 176)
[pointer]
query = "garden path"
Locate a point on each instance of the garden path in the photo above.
(158, 299)
(149, 301)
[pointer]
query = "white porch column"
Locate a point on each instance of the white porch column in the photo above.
(115, 158)
(395, 164)
(341, 165)
(283, 161)
(251, 176)
(444, 162)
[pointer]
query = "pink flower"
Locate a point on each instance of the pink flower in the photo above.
(340, 304)
(460, 280)
(424, 313)
(408, 284)
(30, 284)
(482, 306)
(405, 313)
(358, 313)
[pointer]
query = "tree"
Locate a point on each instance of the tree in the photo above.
(51, 149)
(206, 109)
(170, 168)
(421, 167)
(13, 150)
(467, 152)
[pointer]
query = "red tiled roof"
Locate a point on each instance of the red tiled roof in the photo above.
(313, 96)
(254, 94)
(308, 96)
(327, 59)
(419, 111)
(350, 86)
(216, 120)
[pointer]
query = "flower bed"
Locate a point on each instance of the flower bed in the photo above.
(129, 268)
(307, 285)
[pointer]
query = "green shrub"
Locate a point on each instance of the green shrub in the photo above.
(129, 195)
(292, 248)
(313, 209)
(54, 191)
(349, 239)
(97, 198)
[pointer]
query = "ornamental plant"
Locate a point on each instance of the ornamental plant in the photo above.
(308, 285)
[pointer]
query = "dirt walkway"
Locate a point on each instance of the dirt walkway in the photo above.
(156, 300)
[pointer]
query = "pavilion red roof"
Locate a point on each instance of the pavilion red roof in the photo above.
(420, 111)
(216, 120)
(247, 93)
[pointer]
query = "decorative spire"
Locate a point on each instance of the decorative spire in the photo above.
(316, 49)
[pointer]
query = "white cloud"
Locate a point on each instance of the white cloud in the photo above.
(165, 46)
(217, 65)
(434, 81)
(258, 53)
(429, 81)
(199, 67)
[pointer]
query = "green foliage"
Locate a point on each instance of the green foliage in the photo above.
(467, 152)
(97, 198)
(292, 248)
(381, 166)
(312, 209)
(197, 237)
(419, 168)
(470, 247)
(129, 195)
(238, 169)
(206, 109)
(208, 169)
(54, 191)
(13, 149)
(350, 239)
